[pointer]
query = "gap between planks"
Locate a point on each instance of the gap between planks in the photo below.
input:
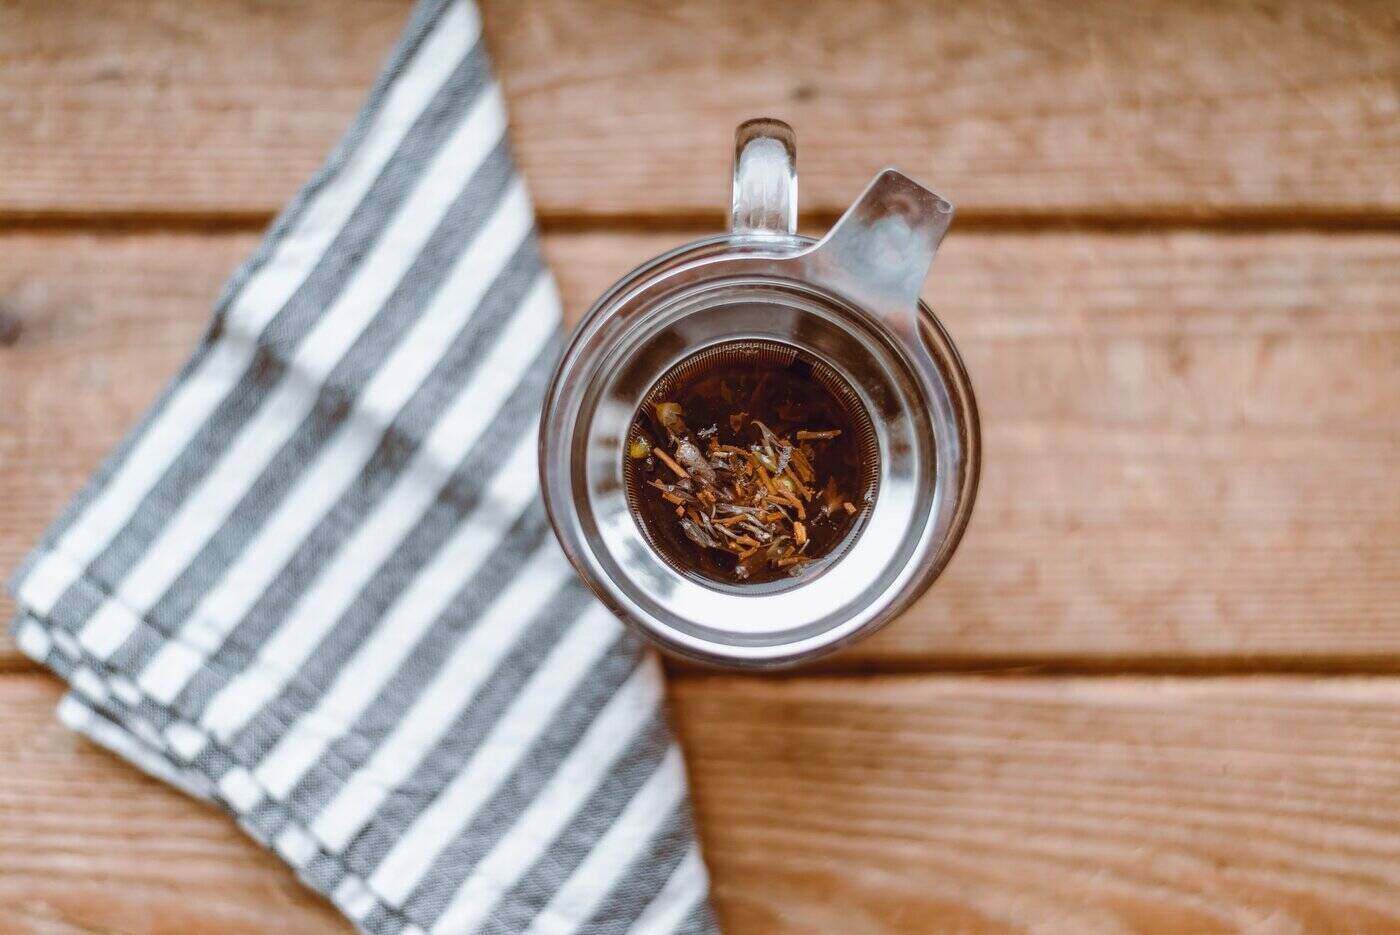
(837, 668)
(1301, 220)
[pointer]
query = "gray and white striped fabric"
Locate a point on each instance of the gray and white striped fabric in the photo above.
(316, 585)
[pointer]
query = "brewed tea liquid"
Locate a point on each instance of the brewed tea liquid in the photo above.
(751, 462)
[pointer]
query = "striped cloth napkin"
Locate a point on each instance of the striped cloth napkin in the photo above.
(316, 584)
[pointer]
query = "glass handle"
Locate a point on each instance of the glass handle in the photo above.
(765, 178)
(879, 253)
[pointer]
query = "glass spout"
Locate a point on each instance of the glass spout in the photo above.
(879, 253)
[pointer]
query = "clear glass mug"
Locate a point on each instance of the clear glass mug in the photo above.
(849, 300)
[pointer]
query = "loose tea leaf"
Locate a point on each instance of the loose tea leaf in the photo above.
(747, 501)
(750, 463)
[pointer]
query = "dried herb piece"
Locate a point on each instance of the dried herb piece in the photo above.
(666, 460)
(760, 462)
(748, 501)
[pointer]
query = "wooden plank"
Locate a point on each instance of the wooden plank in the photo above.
(890, 804)
(1065, 805)
(1099, 107)
(1281, 110)
(1191, 440)
(91, 844)
(170, 107)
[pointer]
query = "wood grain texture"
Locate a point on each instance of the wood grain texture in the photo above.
(893, 804)
(1192, 441)
(173, 107)
(1057, 805)
(1283, 110)
(1088, 107)
(90, 844)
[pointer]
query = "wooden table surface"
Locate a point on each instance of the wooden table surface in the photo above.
(1158, 689)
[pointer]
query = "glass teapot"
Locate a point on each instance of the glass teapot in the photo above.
(843, 311)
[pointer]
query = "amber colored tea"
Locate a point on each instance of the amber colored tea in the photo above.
(751, 462)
